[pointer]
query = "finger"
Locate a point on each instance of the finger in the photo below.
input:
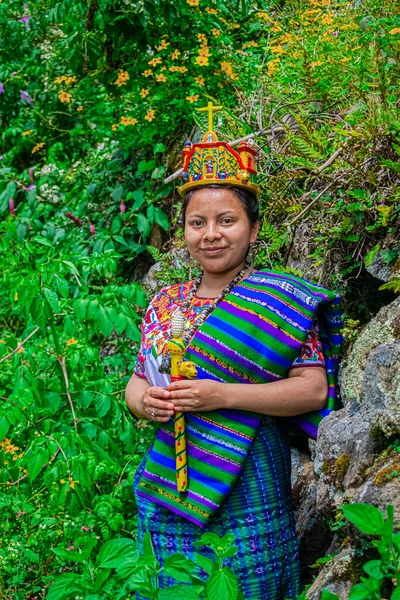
(158, 392)
(158, 415)
(181, 395)
(151, 402)
(184, 384)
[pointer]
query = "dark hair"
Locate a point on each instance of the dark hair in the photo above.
(247, 199)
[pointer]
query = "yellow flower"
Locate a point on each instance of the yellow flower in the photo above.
(147, 73)
(155, 61)
(278, 50)
(64, 97)
(80, 108)
(144, 92)
(193, 2)
(264, 15)
(161, 77)
(345, 60)
(175, 54)
(182, 69)
(60, 79)
(202, 61)
(150, 115)
(200, 81)
(216, 32)
(204, 51)
(114, 127)
(128, 121)
(27, 132)
(123, 77)
(71, 342)
(212, 11)
(202, 38)
(37, 147)
(394, 31)
(317, 63)
(164, 45)
(253, 44)
(174, 69)
(192, 98)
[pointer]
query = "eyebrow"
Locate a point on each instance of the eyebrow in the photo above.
(225, 213)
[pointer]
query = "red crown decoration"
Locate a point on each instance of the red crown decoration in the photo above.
(215, 162)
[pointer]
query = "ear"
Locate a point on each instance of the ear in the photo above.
(254, 232)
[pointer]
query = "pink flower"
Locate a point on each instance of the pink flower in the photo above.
(84, 528)
(93, 232)
(25, 96)
(11, 206)
(31, 173)
(77, 221)
(335, 33)
(18, 515)
(70, 547)
(122, 207)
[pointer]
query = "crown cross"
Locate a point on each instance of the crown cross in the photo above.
(210, 109)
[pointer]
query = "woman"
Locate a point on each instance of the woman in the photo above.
(239, 462)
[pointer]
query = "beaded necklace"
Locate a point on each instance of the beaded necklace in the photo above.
(165, 366)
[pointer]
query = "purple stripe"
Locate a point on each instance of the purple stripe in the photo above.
(288, 295)
(199, 335)
(201, 455)
(246, 419)
(173, 508)
(272, 330)
(211, 459)
(172, 486)
(308, 427)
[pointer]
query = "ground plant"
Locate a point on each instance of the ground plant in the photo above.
(96, 100)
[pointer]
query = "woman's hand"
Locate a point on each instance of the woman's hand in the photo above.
(196, 395)
(156, 405)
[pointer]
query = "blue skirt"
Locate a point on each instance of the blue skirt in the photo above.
(257, 511)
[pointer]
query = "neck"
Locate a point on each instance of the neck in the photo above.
(212, 284)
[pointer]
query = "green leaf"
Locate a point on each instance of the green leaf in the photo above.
(373, 568)
(222, 584)
(51, 298)
(327, 595)
(396, 594)
(204, 563)
(143, 224)
(161, 218)
(178, 592)
(38, 312)
(102, 404)
(179, 567)
(148, 546)
(367, 518)
(114, 553)
(117, 193)
(159, 148)
(63, 586)
(145, 166)
(4, 427)
(36, 460)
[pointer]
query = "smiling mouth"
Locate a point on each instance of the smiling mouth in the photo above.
(212, 250)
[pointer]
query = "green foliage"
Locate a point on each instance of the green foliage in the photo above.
(116, 571)
(96, 100)
(371, 521)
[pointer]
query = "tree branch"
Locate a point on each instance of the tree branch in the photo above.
(20, 345)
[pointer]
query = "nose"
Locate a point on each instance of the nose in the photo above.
(212, 232)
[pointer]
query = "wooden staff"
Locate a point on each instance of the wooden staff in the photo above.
(176, 348)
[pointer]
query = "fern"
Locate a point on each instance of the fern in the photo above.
(156, 254)
(305, 149)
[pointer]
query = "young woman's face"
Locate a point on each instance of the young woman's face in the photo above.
(217, 230)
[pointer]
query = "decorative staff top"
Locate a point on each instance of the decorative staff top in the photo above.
(210, 109)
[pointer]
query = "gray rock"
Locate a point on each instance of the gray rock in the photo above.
(380, 495)
(379, 267)
(334, 576)
(303, 245)
(371, 376)
(344, 449)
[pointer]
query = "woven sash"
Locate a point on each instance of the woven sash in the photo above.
(252, 336)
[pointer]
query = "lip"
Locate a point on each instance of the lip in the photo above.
(213, 251)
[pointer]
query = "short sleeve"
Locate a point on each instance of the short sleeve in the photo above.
(140, 368)
(311, 354)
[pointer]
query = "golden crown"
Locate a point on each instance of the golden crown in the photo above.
(215, 162)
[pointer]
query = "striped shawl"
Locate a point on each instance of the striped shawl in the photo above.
(252, 336)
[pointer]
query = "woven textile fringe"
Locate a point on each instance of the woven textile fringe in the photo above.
(253, 336)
